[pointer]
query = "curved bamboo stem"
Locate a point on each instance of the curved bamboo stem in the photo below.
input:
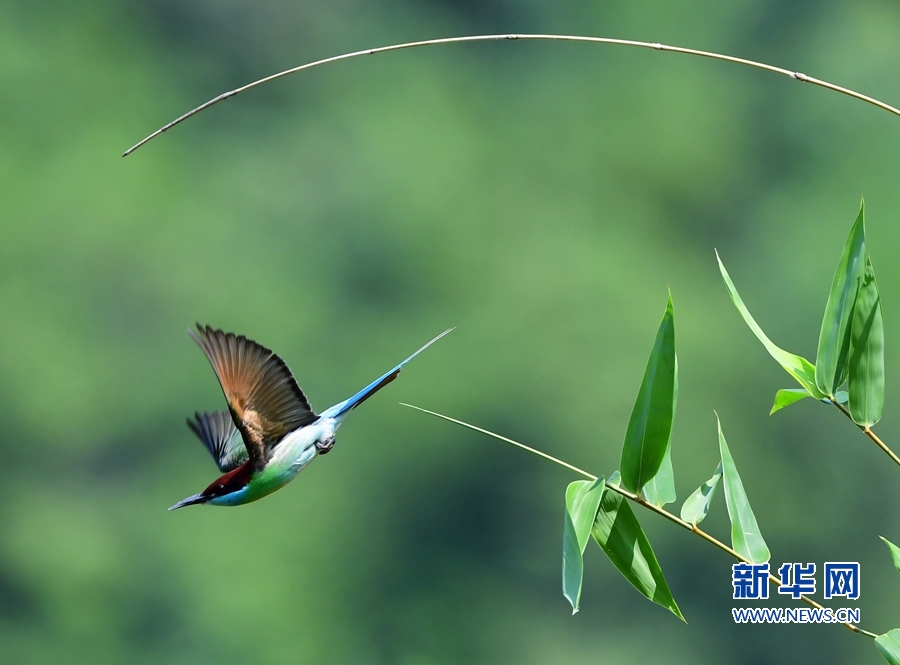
(799, 76)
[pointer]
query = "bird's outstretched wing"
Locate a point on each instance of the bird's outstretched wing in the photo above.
(264, 399)
(222, 439)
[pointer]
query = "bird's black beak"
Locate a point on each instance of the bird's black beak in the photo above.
(190, 501)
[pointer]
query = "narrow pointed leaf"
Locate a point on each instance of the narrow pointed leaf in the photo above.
(615, 478)
(867, 353)
(621, 537)
(660, 489)
(834, 338)
(745, 536)
(889, 646)
(582, 503)
(798, 367)
(651, 419)
(696, 506)
(786, 397)
(895, 552)
(842, 396)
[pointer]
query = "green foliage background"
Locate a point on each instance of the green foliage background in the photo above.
(541, 196)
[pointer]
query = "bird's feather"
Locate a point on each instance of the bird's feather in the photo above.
(264, 399)
(223, 440)
(341, 409)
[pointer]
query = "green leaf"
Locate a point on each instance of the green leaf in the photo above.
(842, 397)
(889, 646)
(582, 502)
(696, 506)
(745, 536)
(788, 396)
(660, 489)
(619, 534)
(895, 552)
(651, 419)
(834, 338)
(798, 367)
(867, 353)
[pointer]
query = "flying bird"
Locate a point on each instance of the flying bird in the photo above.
(270, 432)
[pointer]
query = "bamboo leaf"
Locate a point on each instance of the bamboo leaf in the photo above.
(621, 537)
(889, 646)
(895, 552)
(798, 367)
(660, 489)
(582, 502)
(866, 364)
(746, 538)
(834, 337)
(786, 397)
(651, 419)
(696, 506)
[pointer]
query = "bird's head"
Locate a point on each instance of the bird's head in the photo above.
(233, 481)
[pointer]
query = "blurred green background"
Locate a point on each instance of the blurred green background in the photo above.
(542, 197)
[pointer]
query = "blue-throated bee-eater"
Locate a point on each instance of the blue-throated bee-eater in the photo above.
(270, 432)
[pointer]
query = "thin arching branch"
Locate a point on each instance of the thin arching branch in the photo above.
(516, 37)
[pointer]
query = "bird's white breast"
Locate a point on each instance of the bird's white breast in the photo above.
(298, 448)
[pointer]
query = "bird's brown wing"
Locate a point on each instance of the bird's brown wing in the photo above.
(264, 399)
